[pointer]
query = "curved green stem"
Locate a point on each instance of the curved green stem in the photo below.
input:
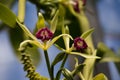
(48, 64)
(62, 65)
(21, 10)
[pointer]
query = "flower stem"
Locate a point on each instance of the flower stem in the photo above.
(62, 65)
(48, 64)
(21, 10)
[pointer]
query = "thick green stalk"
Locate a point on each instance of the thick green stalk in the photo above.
(62, 65)
(21, 10)
(88, 69)
(48, 64)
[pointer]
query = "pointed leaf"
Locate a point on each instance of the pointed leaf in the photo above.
(58, 58)
(107, 54)
(7, 16)
(87, 33)
(100, 76)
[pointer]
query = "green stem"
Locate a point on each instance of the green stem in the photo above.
(62, 65)
(48, 64)
(21, 10)
(88, 69)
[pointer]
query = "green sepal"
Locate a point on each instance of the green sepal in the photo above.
(54, 22)
(41, 21)
(85, 55)
(100, 76)
(26, 31)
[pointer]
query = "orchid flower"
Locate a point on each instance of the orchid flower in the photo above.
(44, 35)
(79, 44)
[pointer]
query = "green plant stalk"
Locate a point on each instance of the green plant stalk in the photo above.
(62, 65)
(21, 10)
(48, 64)
(88, 69)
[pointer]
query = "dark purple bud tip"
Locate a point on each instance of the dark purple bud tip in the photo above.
(80, 44)
(44, 34)
(84, 2)
(76, 6)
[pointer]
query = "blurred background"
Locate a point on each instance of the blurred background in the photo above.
(102, 14)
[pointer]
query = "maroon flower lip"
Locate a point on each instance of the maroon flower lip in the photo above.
(80, 44)
(76, 6)
(84, 2)
(44, 34)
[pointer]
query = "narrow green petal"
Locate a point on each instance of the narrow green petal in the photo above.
(65, 38)
(27, 32)
(84, 55)
(32, 42)
(56, 38)
(41, 21)
(54, 22)
(87, 33)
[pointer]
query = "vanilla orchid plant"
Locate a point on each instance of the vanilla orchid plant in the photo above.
(59, 21)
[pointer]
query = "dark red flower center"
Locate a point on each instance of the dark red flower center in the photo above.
(76, 6)
(80, 44)
(44, 34)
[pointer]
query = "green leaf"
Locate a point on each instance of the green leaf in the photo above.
(78, 69)
(100, 76)
(58, 58)
(67, 74)
(7, 16)
(16, 37)
(87, 33)
(106, 54)
(35, 55)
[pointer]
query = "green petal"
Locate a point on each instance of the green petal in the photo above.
(84, 55)
(87, 33)
(54, 22)
(32, 42)
(65, 38)
(27, 32)
(56, 38)
(41, 21)
(100, 76)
